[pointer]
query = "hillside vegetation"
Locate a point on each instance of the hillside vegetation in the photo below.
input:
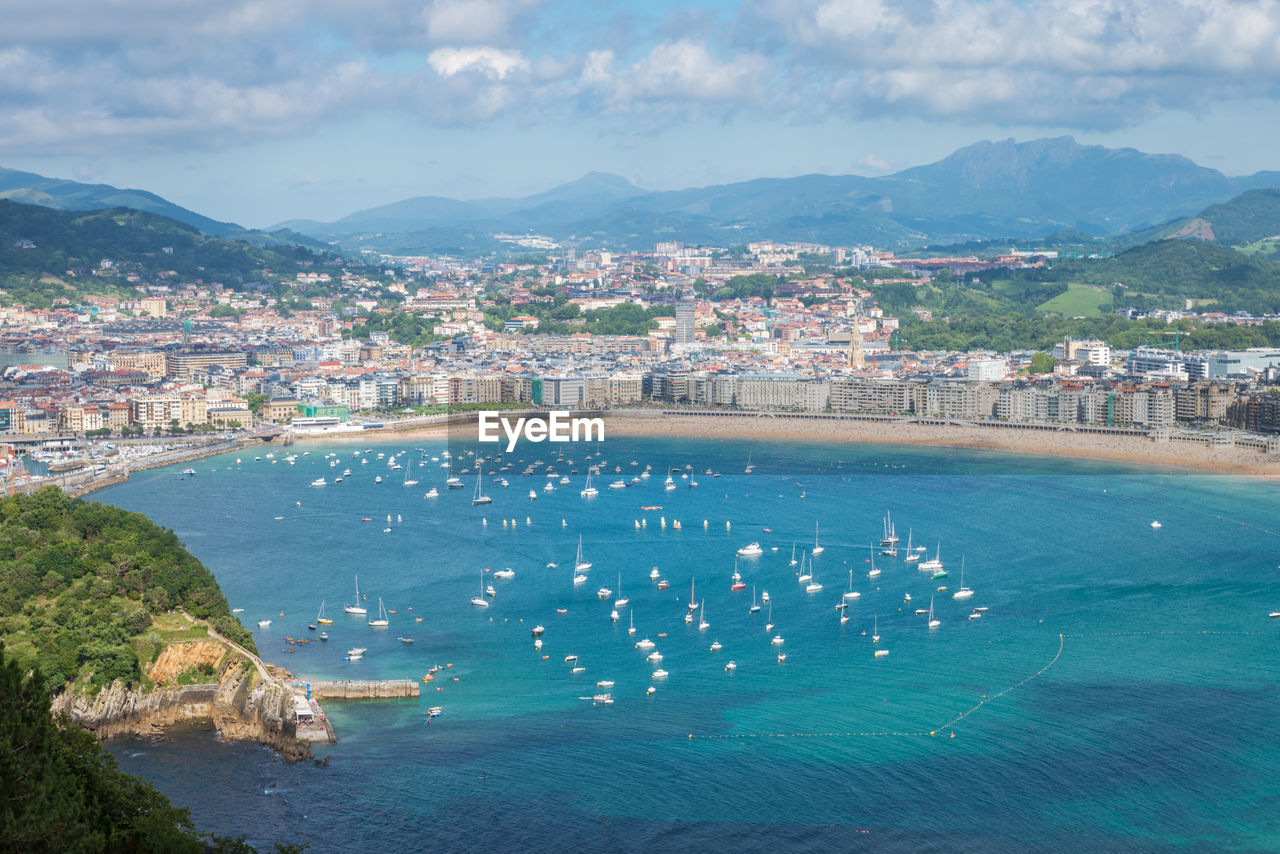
(87, 590)
(38, 243)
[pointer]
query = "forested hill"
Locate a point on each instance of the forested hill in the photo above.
(87, 590)
(38, 242)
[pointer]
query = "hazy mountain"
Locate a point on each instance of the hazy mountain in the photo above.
(1247, 218)
(986, 190)
(73, 196)
(63, 195)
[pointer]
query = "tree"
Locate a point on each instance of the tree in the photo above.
(1042, 363)
(256, 402)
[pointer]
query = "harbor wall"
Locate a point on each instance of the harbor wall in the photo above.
(387, 689)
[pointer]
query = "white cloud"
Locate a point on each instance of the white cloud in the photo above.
(675, 77)
(490, 61)
(1092, 63)
(471, 21)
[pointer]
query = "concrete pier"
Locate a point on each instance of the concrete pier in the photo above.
(387, 689)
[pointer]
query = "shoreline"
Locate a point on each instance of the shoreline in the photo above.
(1136, 450)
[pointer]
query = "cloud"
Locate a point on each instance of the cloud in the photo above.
(490, 61)
(471, 21)
(677, 77)
(181, 75)
(1087, 63)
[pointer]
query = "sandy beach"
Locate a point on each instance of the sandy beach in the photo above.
(1170, 456)
(1138, 450)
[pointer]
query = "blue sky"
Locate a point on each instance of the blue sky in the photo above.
(263, 110)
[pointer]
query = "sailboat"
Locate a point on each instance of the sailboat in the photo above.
(321, 618)
(578, 563)
(963, 592)
(768, 622)
(851, 593)
(933, 622)
(407, 480)
(621, 601)
(480, 497)
(890, 538)
(793, 554)
(631, 629)
(693, 606)
(479, 601)
(703, 625)
(453, 481)
(356, 608)
(817, 549)
(934, 564)
(875, 571)
(382, 616)
(804, 575)
(875, 629)
(813, 586)
(755, 606)
(589, 491)
(912, 555)
(737, 583)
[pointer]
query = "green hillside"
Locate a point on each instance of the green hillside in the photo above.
(84, 585)
(40, 243)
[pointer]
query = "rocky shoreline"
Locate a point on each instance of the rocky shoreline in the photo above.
(231, 706)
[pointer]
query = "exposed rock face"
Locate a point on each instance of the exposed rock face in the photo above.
(231, 705)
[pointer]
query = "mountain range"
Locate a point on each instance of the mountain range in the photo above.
(988, 190)
(983, 191)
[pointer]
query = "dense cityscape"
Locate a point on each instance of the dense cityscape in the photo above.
(195, 357)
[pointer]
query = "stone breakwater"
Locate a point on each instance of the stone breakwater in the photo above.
(387, 689)
(233, 706)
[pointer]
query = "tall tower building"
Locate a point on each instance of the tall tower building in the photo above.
(856, 357)
(685, 325)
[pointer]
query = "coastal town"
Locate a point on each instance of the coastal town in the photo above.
(356, 345)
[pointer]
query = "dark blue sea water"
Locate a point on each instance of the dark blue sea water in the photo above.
(1130, 673)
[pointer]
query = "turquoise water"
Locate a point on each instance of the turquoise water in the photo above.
(1136, 668)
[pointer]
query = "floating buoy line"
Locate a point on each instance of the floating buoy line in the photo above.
(927, 733)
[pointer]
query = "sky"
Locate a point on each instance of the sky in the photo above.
(259, 111)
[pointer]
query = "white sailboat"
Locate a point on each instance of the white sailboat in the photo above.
(755, 606)
(631, 629)
(875, 571)
(817, 549)
(356, 608)
(693, 606)
(703, 625)
(912, 555)
(851, 593)
(934, 564)
(793, 554)
(933, 621)
(875, 629)
(768, 621)
(813, 586)
(407, 480)
(480, 497)
(382, 620)
(805, 575)
(578, 563)
(621, 601)
(890, 538)
(479, 601)
(321, 618)
(963, 592)
(589, 491)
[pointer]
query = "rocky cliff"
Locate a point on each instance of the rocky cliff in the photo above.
(232, 705)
